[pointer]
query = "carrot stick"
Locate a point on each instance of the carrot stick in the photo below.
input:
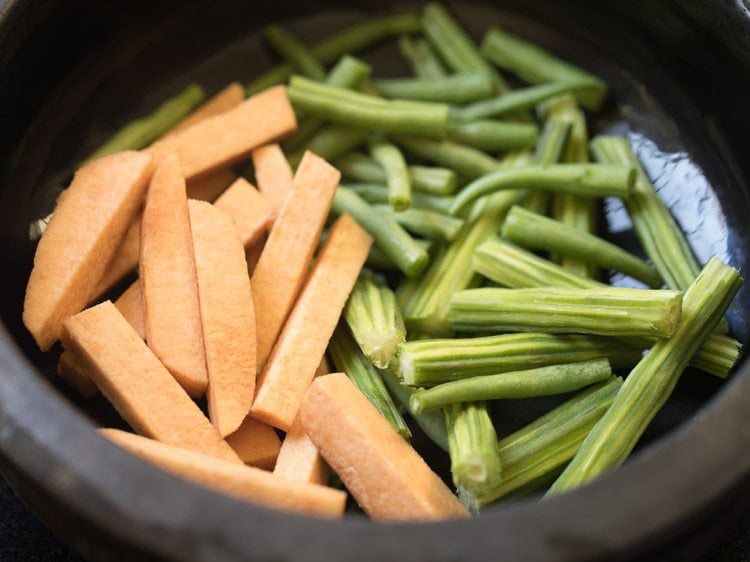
(389, 480)
(256, 443)
(136, 383)
(298, 458)
(241, 482)
(227, 138)
(168, 280)
(249, 208)
(226, 314)
(286, 256)
(305, 336)
(80, 240)
(231, 96)
(273, 174)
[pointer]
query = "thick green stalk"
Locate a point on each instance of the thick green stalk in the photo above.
(377, 259)
(516, 100)
(472, 445)
(650, 383)
(593, 180)
(330, 142)
(375, 319)
(363, 111)
(533, 64)
(354, 38)
(536, 232)
(544, 446)
(397, 176)
(464, 87)
(455, 46)
(529, 383)
(410, 257)
(420, 57)
(141, 132)
(548, 151)
(493, 136)
(605, 311)
(376, 193)
(295, 53)
(361, 168)
(349, 359)
(429, 224)
(425, 300)
(511, 266)
(431, 362)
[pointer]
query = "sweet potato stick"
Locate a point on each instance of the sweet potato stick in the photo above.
(136, 383)
(252, 255)
(249, 208)
(298, 458)
(226, 138)
(241, 482)
(389, 480)
(80, 240)
(224, 100)
(286, 256)
(205, 188)
(168, 280)
(226, 314)
(303, 341)
(130, 305)
(273, 174)
(256, 443)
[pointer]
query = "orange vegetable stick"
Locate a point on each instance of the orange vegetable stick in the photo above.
(389, 480)
(137, 384)
(209, 187)
(168, 280)
(273, 174)
(130, 305)
(224, 100)
(227, 138)
(242, 482)
(252, 255)
(226, 314)
(249, 208)
(305, 336)
(256, 443)
(298, 457)
(82, 236)
(285, 260)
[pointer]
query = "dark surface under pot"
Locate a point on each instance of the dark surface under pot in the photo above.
(71, 72)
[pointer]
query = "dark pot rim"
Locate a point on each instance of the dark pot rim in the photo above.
(661, 496)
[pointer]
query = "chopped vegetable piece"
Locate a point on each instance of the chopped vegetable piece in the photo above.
(241, 482)
(454, 88)
(282, 267)
(226, 314)
(533, 64)
(378, 193)
(465, 160)
(548, 151)
(493, 136)
(593, 180)
(389, 480)
(141, 132)
(311, 323)
(377, 259)
(431, 362)
(231, 96)
(397, 175)
(250, 210)
(536, 232)
(650, 383)
(224, 139)
(80, 240)
(294, 52)
(273, 175)
(136, 383)
(410, 257)
(375, 319)
(256, 443)
(168, 280)
(544, 381)
(472, 445)
(425, 223)
(348, 359)
(420, 58)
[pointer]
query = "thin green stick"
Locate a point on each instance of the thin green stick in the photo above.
(420, 57)
(425, 223)
(294, 52)
(397, 175)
